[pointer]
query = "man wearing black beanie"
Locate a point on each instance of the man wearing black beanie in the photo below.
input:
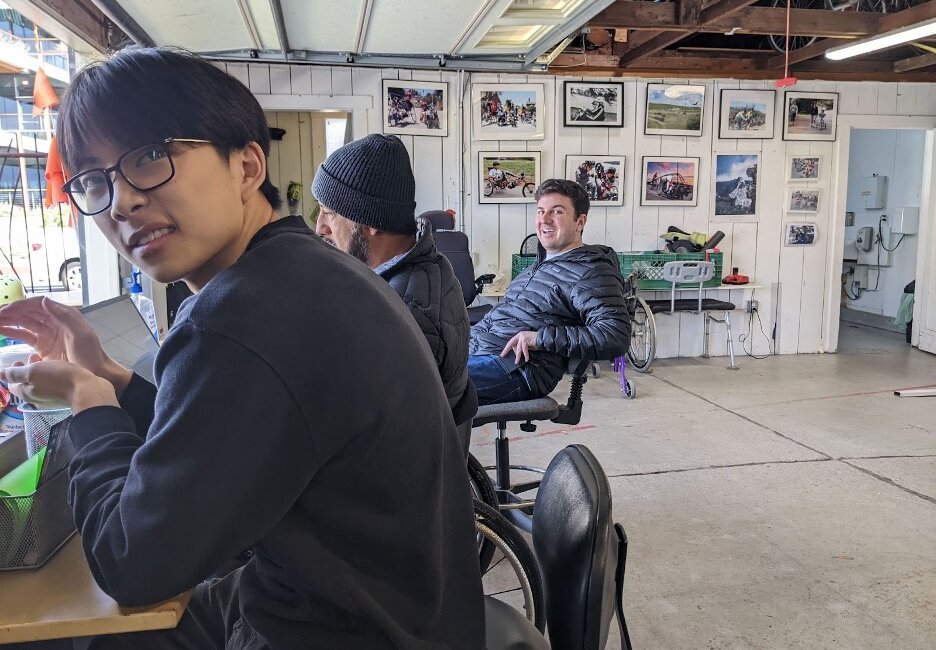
(367, 193)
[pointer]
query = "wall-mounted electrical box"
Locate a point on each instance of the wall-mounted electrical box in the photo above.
(904, 221)
(874, 192)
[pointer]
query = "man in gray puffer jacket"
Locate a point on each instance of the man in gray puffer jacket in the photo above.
(569, 305)
(367, 194)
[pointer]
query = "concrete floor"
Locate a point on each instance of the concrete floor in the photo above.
(790, 504)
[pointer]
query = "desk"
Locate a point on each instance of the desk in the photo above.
(61, 600)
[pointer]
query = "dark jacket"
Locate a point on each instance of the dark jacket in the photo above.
(575, 303)
(298, 412)
(425, 280)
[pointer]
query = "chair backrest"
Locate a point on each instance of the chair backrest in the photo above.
(439, 219)
(577, 548)
(454, 245)
(688, 272)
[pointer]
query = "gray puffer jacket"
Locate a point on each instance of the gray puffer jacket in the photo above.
(425, 280)
(574, 302)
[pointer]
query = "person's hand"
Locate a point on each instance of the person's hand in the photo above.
(520, 345)
(58, 383)
(60, 333)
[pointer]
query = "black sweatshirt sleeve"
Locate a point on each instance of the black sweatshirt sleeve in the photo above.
(226, 456)
(138, 400)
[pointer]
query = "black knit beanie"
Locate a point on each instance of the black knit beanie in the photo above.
(370, 181)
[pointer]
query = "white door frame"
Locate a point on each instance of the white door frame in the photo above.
(835, 246)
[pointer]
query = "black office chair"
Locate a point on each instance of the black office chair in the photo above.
(582, 554)
(514, 506)
(454, 245)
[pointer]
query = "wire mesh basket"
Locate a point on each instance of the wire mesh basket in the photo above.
(37, 423)
(36, 521)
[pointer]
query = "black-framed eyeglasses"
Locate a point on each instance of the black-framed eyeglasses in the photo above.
(145, 168)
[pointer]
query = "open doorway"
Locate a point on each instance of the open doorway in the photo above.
(879, 261)
(302, 141)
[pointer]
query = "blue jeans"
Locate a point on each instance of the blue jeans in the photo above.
(495, 383)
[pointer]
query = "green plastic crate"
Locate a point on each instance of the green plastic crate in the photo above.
(649, 267)
(520, 262)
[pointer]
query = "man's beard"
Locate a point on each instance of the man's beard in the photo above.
(357, 246)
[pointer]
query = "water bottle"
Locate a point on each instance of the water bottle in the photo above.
(143, 304)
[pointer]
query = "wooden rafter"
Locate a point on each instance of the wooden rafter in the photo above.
(661, 40)
(915, 63)
(886, 23)
(662, 16)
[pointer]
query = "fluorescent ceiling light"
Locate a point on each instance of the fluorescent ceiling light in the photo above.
(884, 41)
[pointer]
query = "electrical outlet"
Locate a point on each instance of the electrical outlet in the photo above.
(750, 306)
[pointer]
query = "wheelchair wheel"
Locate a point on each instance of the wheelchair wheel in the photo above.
(513, 576)
(643, 337)
(488, 188)
(482, 490)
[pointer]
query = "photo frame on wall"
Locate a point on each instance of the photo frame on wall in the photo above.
(669, 181)
(415, 107)
(587, 103)
(601, 176)
(735, 186)
(802, 168)
(810, 115)
(746, 114)
(674, 109)
(799, 234)
(803, 201)
(508, 111)
(508, 176)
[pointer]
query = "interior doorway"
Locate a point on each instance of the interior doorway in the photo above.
(302, 141)
(880, 252)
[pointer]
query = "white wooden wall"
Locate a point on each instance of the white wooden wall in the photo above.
(446, 177)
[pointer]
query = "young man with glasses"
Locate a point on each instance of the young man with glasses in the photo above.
(271, 427)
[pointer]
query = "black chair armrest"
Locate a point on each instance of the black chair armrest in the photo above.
(571, 411)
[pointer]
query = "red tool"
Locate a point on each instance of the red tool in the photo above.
(735, 278)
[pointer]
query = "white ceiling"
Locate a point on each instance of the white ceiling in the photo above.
(463, 29)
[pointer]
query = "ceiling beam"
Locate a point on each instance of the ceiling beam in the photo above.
(80, 25)
(664, 39)
(805, 53)
(119, 16)
(915, 63)
(688, 13)
(913, 15)
(638, 15)
(656, 66)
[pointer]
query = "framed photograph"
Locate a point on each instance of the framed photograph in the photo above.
(415, 107)
(601, 176)
(736, 184)
(508, 176)
(674, 109)
(746, 114)
(669, 181)
(589, 103)
(804, 168)
(799, 234)
(805, 201)
(810, 116)
(508, 111)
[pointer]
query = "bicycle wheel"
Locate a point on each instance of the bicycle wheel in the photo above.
(514, 576)
(643, 337)
(488, 188)
(529, 189)
(778, 41)
(482, 490)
